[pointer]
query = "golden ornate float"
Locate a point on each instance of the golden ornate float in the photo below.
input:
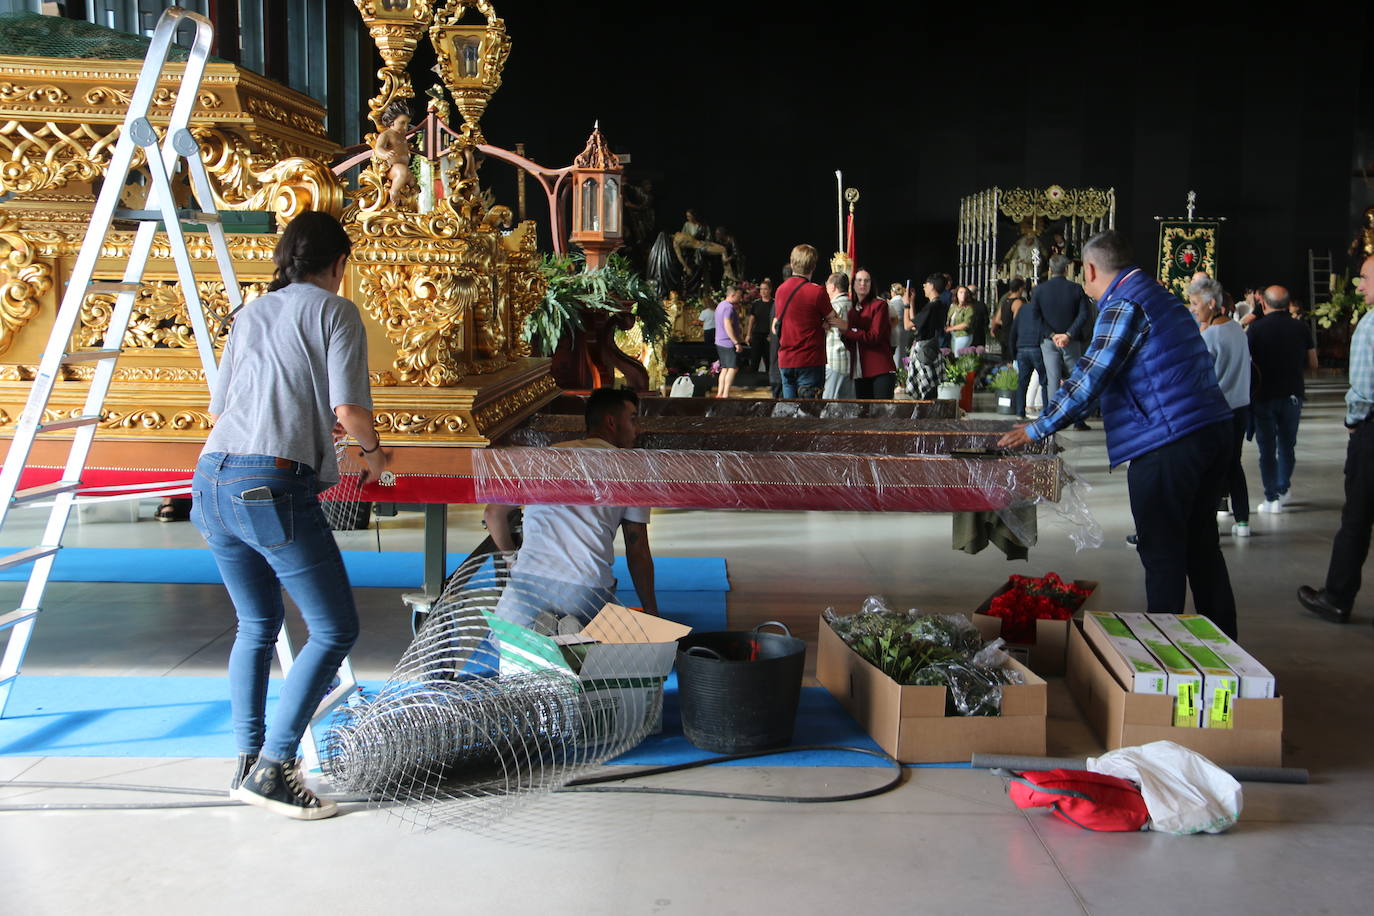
(444, 292)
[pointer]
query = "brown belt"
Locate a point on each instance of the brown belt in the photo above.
(286, 464)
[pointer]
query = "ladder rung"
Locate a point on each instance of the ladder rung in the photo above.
(6, 680)
(155, 216)
(17, 616)
(113, 286)
(46, 490)
(27, 556)
(89, 356)
(74, 422)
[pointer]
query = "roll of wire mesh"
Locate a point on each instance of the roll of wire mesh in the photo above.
(463, 730)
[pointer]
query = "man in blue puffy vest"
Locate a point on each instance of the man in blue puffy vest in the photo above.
(1166, 415)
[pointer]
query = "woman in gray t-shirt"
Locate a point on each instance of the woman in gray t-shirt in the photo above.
(294, 373)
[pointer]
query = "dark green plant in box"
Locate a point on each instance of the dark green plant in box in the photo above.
(572, 289)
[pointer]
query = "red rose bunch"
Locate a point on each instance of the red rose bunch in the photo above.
(1029, 599)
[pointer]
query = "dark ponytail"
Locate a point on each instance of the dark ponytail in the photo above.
(311, 243)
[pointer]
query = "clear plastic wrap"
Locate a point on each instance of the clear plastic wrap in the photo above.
(695, 479)
(575, 406)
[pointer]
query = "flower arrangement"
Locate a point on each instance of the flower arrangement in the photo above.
(1030, 599)
(957, 369)
(1345, 300)
(1003, 379)
(572, 289)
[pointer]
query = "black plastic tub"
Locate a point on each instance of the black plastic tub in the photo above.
(739, 690)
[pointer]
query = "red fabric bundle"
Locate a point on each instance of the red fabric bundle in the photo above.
(1083, 798)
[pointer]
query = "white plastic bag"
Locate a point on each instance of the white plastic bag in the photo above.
(1184, 791)
(682, 387)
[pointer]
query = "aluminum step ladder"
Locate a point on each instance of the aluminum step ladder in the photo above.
(177, 149)
(1319, 267)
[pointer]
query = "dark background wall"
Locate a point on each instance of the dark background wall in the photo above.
(745, 117)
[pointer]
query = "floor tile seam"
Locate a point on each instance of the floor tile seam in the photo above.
(203, 646)
(1082, 904)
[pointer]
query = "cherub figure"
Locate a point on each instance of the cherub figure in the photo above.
(392, 152)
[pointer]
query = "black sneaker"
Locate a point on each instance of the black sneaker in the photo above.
(245, 766)
(279, 787)
(1133, 540)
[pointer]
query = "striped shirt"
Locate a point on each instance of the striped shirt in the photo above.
(1121, 330)
(1359, 400)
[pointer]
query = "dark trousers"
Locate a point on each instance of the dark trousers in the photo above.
(1028, 360)
(878, 388)
(1174, 491)
(758, 354)
(1351, 546)
(1236, 485)
(1276, 434)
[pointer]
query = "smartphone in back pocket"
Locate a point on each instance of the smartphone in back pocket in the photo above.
(257, 493)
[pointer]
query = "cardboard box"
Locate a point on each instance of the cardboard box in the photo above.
(910, 722)
(1256, 683)
(1049, 653)
(1185, 681)
(621, 659)
(1130, 662)
(1124, 719)
(1219, 683)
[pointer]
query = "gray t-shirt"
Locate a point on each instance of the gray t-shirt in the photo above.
(1228, 346)
(292, 357)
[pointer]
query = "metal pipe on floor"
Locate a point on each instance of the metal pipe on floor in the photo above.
(1293, 775)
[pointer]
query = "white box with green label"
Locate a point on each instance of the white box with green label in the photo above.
(1256, 682)
(1220, 686)
(1132, 664)
(1185, 682)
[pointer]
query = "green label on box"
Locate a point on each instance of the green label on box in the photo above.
(1205, 656)
(1221, 707)
(1143, 666)
(1169, 655)
(1203, 628)
(1185, 709)
(524, 648)
(1112, 625)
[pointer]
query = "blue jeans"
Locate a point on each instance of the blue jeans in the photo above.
(802, 383)
(259, 546)
(1276, 434)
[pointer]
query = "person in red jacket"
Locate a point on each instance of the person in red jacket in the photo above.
(802, 314)
(875, 375)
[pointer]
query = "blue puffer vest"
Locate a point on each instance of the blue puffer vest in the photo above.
(1169, 388)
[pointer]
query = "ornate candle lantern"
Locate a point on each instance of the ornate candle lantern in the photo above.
(598, 205)
(396, 26)
(471, 57)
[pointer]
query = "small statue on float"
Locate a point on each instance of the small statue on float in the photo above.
(391, 151)
(1021, 259)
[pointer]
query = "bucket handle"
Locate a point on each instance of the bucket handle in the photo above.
(705, 652)
(773, 623)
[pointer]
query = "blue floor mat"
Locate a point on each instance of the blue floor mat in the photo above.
(366, 569)
(69, 716)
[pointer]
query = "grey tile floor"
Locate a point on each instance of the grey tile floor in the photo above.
(947, 841)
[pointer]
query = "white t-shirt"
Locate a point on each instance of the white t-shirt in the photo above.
(895, 305)
(708, 319)
(574, 544)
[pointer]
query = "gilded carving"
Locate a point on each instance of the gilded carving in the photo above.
(422, 310)
(491, 415)
(417, 424)
(163, 97)
(1054, 202)
(51, 95)
(247, 181)
(159, 317)
(24, 282)
(37, 157)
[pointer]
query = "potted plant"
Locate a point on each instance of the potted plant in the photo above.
(1003, 383)
(957, 373)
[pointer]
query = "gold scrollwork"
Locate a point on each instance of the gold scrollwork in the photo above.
(491, 415)
(1055, 203)
(418, 424)
(51, 95)
(36, 158)
(247, 181)
(23, 282)
(159, 317)
(163, 97)
(422, 310)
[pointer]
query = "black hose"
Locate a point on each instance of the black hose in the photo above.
(588, 784)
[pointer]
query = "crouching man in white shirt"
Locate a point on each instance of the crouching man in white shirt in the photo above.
(564, 565)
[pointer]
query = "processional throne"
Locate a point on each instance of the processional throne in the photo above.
(1011, 232)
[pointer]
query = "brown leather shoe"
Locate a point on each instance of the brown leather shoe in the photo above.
(1319, 602)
